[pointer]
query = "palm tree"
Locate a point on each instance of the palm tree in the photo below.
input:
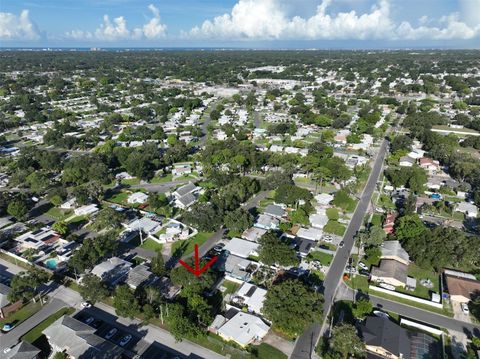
(320, 174)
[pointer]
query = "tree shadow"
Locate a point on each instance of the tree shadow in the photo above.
(172, 262)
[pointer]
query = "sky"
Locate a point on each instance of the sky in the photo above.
(356, 24)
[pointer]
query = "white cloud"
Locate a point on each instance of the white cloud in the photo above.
(13, 27)
(267, 20)
(117, 29)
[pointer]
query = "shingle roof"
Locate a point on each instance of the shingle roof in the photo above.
(384, 333)
(390, 268)
(188, 188)
(22, 350)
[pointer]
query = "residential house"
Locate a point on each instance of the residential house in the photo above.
(185, 195)
(406, 161)
(324, 199)
(186, 201)
(304, 246)
(145, 225)
(174, 231)
(86, 210)
(391, 272)
(274, 210)
(318, 220)
(243, 329)
(166, 287)
(181, 170)
(389, 223)
(313, 234)
(461, 288)
(242, 248)
(112, 271)
(78, 340)
(237, 269)
(385, 339)
(137, 197)
(253, 234)
(251, 296)
(429, 165)
(22, 350)
(393, 250)
(37, 239)
(267, 222)
(4, 290)
(69, 204)
(139, 276)
(469, 209)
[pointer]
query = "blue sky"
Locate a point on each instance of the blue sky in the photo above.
(241, 23)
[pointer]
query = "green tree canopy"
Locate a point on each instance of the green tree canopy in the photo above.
(275, 251)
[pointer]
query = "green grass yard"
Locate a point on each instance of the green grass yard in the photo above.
(36, 332)
(22, 314)
(188, 245)
(57, 213)
(334, 227)
(151, 245)
(230, 286)
(324, 258)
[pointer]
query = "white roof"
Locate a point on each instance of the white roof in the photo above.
(241, 247)
(310, 233)
(324, 198)
(318, 220)
(253, 234)
(137, 197)
(145, 224)
(253, 296)
(244, 328)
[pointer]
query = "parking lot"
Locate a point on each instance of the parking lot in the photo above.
(104, 323)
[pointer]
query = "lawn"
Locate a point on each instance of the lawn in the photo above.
(188, 245)
(151, 245)
(332, 214)
(57, 213)
(162, 179)
(266, 351)
(377, 220)
(131, 181)
(120, 198)
(420, 273)
(334, 227)
(231, 287)
(324, 258)
(24, 313)
(36, 332)
(358, 282)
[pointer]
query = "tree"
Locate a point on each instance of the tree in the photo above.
(92, 251)
(125, 303)
(361, 308)
(180, 276)
(157, 200)
(179, 325)
(148, 312)
(108, 218)
(61, 227)
(17, 208)
(410, 226)
(238, 220)
(342, 199)
(345, 341)
(401, 142)
(24, 284)
(291, 194)
(376, 236)
(274, 251)
(303, 306)
(157, 265)
(92, 288)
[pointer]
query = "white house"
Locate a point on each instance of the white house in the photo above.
(251, 296)
(469, 209)
(86, 210)
(137, 197)
(242, 248)
(243, 329)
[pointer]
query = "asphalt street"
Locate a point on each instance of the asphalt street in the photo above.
(305, 344)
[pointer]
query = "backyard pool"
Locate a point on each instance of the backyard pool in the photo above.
(51, 263)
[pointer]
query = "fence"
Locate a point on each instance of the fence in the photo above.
(406, 296)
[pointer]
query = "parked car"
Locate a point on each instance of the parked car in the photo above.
(363, 266)
(86, 305)
(341, 244)
(125, 340)
(89, 320)
(327, 239)
(7, 327)
(379, 313)
(111, 333)
(386, 286)
(364, 272)
(464, 307)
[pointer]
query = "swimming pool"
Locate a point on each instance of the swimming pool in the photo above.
(51, 263)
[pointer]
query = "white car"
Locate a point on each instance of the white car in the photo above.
(379, 313)
(86, 305)
(363, 265)
(464, 307)
(124, 341)
(111, 333)
(386, 286)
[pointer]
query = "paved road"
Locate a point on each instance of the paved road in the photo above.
(255, 201)
(305, 345)
(422, 315)
(11, 338)
(160, 187)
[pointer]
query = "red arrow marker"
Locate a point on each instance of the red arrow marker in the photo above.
(198, 271)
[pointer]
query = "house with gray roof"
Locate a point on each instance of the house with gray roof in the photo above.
(391, 272)
(78, 340)
(139, 276)
(394, 250)
(185, 189)
(274, 211)
(112, 271)
(22, 350)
